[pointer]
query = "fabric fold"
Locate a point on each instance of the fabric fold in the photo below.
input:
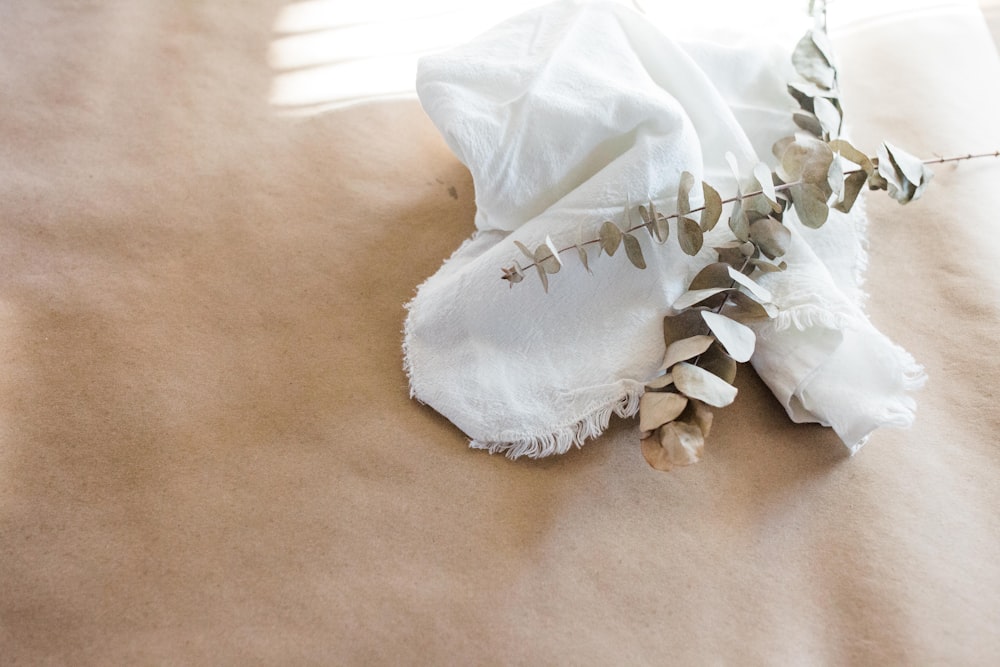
(565, 115)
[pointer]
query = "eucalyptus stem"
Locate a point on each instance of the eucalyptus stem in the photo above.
(777, 188)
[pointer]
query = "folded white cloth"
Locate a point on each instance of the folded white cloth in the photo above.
(563, 115)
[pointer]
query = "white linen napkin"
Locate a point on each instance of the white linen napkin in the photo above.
(563, 115)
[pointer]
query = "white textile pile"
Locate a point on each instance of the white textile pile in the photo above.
(564, 115)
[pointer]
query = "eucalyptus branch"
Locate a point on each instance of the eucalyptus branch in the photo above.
(707, 335)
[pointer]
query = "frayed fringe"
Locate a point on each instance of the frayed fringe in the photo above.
(574, 435)
(807, 317)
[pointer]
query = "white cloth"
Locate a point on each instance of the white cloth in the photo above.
(564, 114)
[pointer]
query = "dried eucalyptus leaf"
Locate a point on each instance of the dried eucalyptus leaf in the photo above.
(772, 237)
(731, 255)
(690, 236)
(527, 253)
(660, 382)
(853, 184)
(737, 339)
(808, 122)
(634, 251)
(610, 236)
(762, 173)
(696, 413)
(835, 178)
(829, 117)
(718, 363)
(582, 254)
(807, 159)
(662, 228)
(734, 166)
(686, 348)
(753, 287)
(913, 170)
(781, 145)
(811, 60)
(738, 222)
(810, 205)
(513, 274)
(684, 193)
(692, 297)
(713, 275)
(748, 249)
(851, 154)
(744, 308)
(659, 408)
(543, 277)
(547, 257)
(644, 214)
(698, 383)
(766, 267)
(682, 325)
(675, 444)
(713, 207)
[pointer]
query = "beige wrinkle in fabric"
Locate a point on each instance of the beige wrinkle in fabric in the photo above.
(208, 454)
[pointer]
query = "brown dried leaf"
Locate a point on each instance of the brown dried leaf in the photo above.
(693, 297)
(660, 382)
(738, 222)
(634, 251)
(682, 325)
(547, 257)
(527, 253)
(808, 122)
(698, 383)
(810, 204)
(690, 236)
(684, 193)
(686, 348)
(853, 184)
(713, 207)
(658, 408)
(610, 236)
(718, 363)
(675, 444)
(513, 274)
(751, 285)
(771, 237)
(744, 308)
(582, 254)
(713, 275)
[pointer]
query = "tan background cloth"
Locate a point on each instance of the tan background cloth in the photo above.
(207, 450)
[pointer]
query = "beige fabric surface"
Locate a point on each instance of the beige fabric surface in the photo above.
(207, 450)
